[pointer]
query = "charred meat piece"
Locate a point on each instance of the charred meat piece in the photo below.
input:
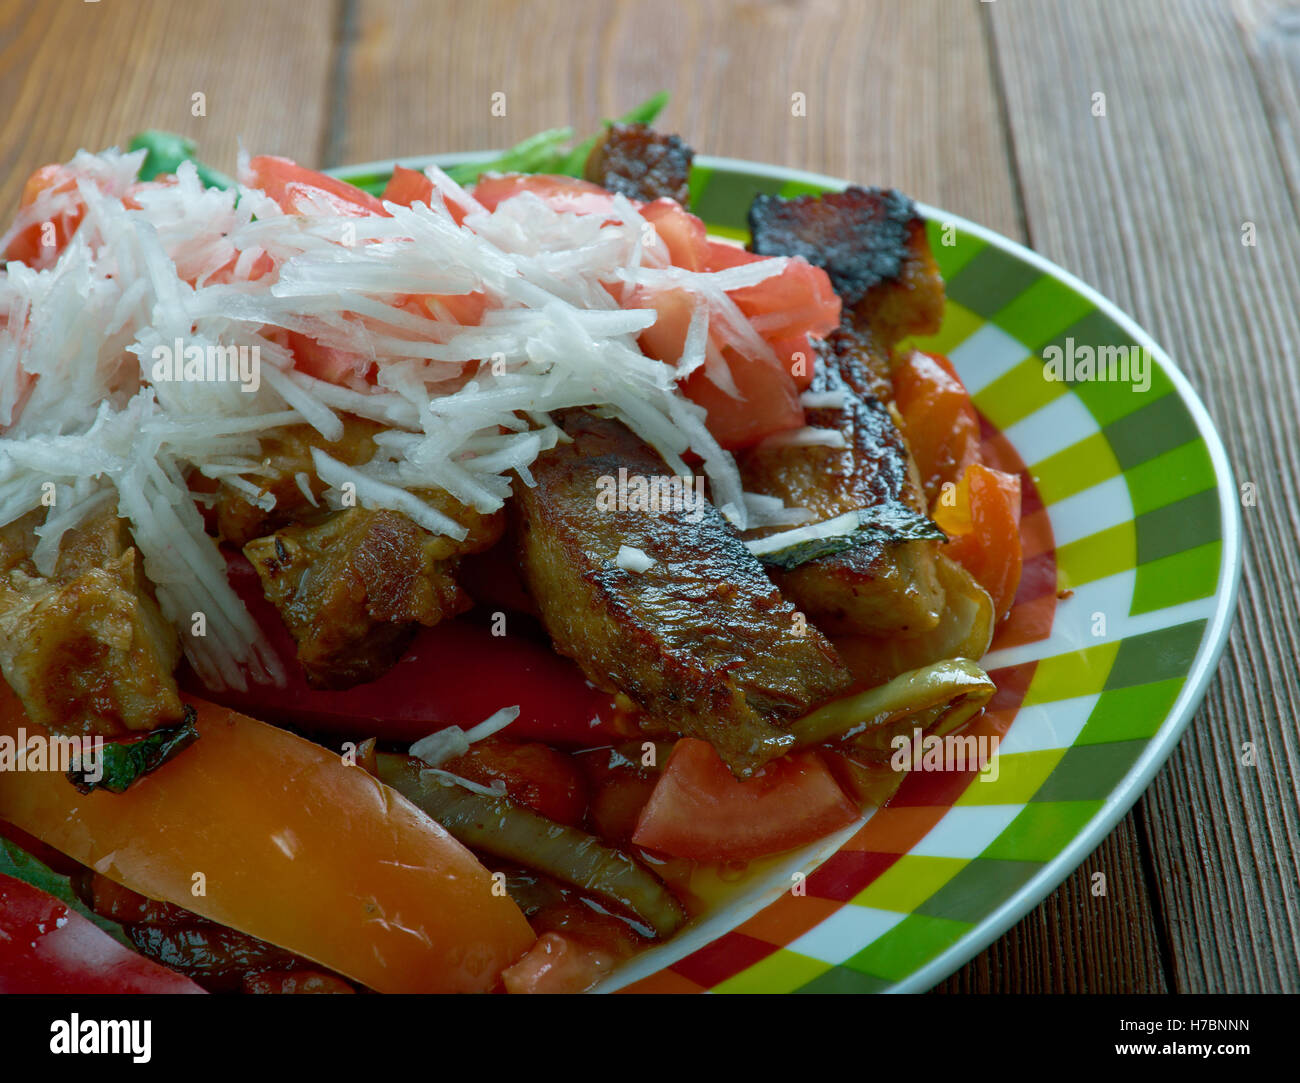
(640, 163)
(872, 244)
(286, 453)
(353, 588)
(86, 649)
(700, 639)
(879, 586)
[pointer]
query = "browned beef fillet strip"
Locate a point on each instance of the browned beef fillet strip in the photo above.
(877, 587)
(353, 587)
(640, 163)
(873, 245)
(702, 640)
(86, 649)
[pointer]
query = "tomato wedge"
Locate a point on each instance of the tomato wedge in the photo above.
(682, 233)
(294, 847)
(408, 187)
(983, 524)
(47, 947)
(29, 245)
(295, 188)
(939, 420)
(558, 192)
(700, 811)
(558, 964)
(769, 401)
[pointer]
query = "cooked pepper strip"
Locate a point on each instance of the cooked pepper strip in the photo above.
(496, 826)
(943, 695)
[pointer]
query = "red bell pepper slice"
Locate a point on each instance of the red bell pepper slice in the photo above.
(47, 947)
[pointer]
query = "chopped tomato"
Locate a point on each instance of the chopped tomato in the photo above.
(797, 302)
(666, 337)
(47, 947)
(983, 523)
(30, 245)
(558, 964)
(939, 421)
(682, 233)
(537, 775)
(719, 255)
(769, 401)
(295, 188)
(700, 811)
(558, 192)
(465, 308)
(408, 187)
(327, 363)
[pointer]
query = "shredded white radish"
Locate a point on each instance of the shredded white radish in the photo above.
(107, 354)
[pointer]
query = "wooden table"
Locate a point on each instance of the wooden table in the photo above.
(981, 108)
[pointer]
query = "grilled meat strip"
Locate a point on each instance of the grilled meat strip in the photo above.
(701, 639)
(286, 453)
(640, 163)
(353, 587)
(873, 245)
(877, 586)
(86, 649)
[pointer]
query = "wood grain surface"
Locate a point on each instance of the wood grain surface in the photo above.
(981, 108)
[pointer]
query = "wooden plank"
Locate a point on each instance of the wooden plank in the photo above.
(76, 74)
(1149, 203)
(897, 94)
(1078, 941)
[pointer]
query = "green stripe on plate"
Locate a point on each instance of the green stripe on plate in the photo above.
(783, 970)
(1090, 772)
(1156, 656)
(795, 188)
(840, 979)
(908, 882)
(1107, 400)
(1075, 468)
(979, 889)
(1017, 393)
(992, 280)
(1130, 714)
(1042, 312)
(1185, 524)
(1041, 830)
(1108, 552)
(723, 199)
(1078, 673)
(911, 943)
(1172, 580)
(1019, 777)
(1155, 427)
(952, 248)
(1171, 476)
